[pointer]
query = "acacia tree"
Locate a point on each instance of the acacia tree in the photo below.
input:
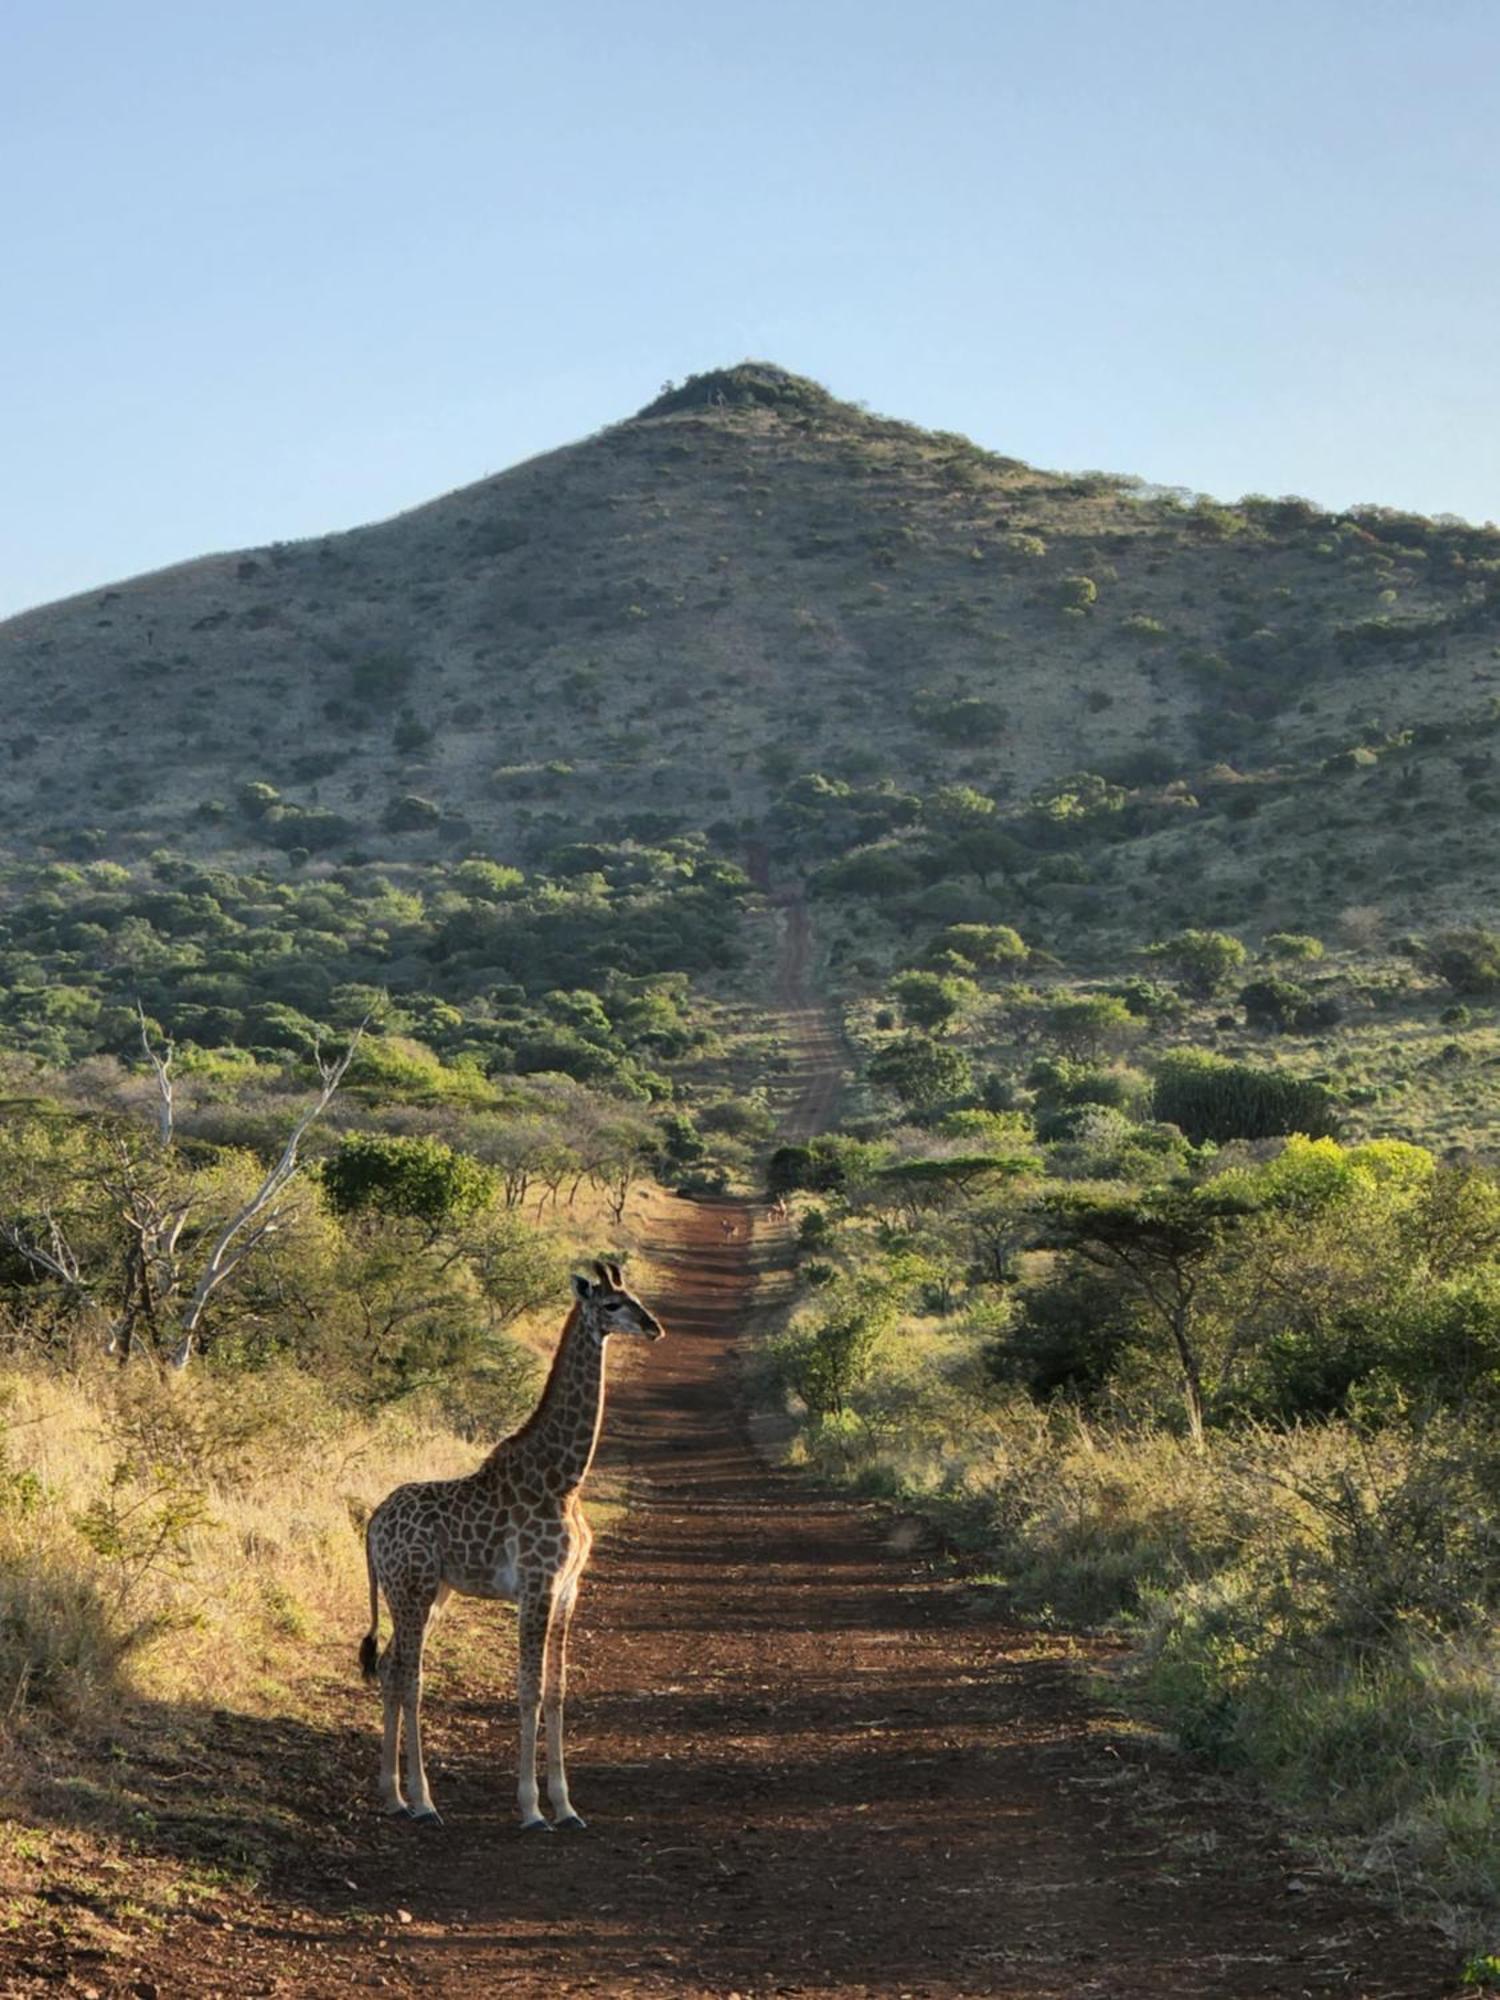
(1162, 1245)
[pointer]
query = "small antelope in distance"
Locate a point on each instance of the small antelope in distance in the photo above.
(515, 1529)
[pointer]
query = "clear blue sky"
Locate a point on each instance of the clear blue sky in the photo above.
(280, 268)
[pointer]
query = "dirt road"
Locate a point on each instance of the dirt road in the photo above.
(814, 1055)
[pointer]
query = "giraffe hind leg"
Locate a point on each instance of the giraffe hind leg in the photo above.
(390, 1747)
(411, 1634)
(401, 1686)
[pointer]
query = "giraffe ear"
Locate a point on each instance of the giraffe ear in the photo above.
(582, 1289)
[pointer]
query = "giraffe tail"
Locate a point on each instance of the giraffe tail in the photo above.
(369, 1646)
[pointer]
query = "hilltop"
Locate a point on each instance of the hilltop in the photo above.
(757, 610)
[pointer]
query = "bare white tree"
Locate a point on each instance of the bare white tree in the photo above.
(156, 1292)
(264, 1213)
(162, 1065)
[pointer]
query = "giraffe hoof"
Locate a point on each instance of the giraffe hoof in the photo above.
(535, 1826)
(397, 1812)
(572, 1824)
(430, 1817)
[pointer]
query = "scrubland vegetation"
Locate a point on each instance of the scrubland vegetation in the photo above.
(1172, 1348)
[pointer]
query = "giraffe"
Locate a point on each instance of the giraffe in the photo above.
(515, 1529)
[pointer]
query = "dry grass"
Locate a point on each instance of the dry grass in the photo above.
(185, 1538)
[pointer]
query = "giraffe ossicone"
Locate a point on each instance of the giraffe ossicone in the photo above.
(514, 1529)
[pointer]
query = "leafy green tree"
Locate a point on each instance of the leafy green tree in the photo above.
(1077, 593)
(1089, 1026)
(488, 881)
(421, 1179)
(1297, 945)
(930, 1000)
(828, 1360)
(1160, 1246)
(985, 852)
(829, 1164)
(411, 813)
(921, 1072)
(872, 871)
(1203, 962)
(954, 809)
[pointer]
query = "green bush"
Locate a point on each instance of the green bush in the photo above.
(1284, 1005)
(960, 718)
(931, 1000)
(1204, 962)
(827, 1360)
(1208, 1097)
(411, 813)
(921, 1072)
(1468, 960)
(1292, 944)
(1076, 593)
(418, 1178)
(979, 944)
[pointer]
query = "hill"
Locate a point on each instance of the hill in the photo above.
(760, 611)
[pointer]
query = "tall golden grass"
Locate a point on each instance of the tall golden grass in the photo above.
(188, 1537)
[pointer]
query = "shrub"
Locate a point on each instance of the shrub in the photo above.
(1086, 1026)
(1068, 1338)
(1468, 960)
(960, 718)
(1292, 944)
(826, 1165)
(380, 679)
(930, 1000)
(826, 1361)
(1204, 962)
(979, 944)
(418, 1178)
(1076, 593)
(1209, 1097)
(1361, 758)
(922, 1073)
(872, 871)
(410, 813)
(256, 799)
(1283, 1004)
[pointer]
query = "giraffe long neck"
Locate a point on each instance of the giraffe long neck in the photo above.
(563, 1431)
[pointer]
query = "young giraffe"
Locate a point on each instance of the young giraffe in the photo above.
(514, 1529)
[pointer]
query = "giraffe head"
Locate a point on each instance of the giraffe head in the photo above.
(610, 1308)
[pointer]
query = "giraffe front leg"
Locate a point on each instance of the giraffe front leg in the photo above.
(554, 1696)
(536, 1618)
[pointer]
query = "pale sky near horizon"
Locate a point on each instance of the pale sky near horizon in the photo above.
(275, 270)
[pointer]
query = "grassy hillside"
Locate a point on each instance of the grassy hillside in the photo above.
(669, 625)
